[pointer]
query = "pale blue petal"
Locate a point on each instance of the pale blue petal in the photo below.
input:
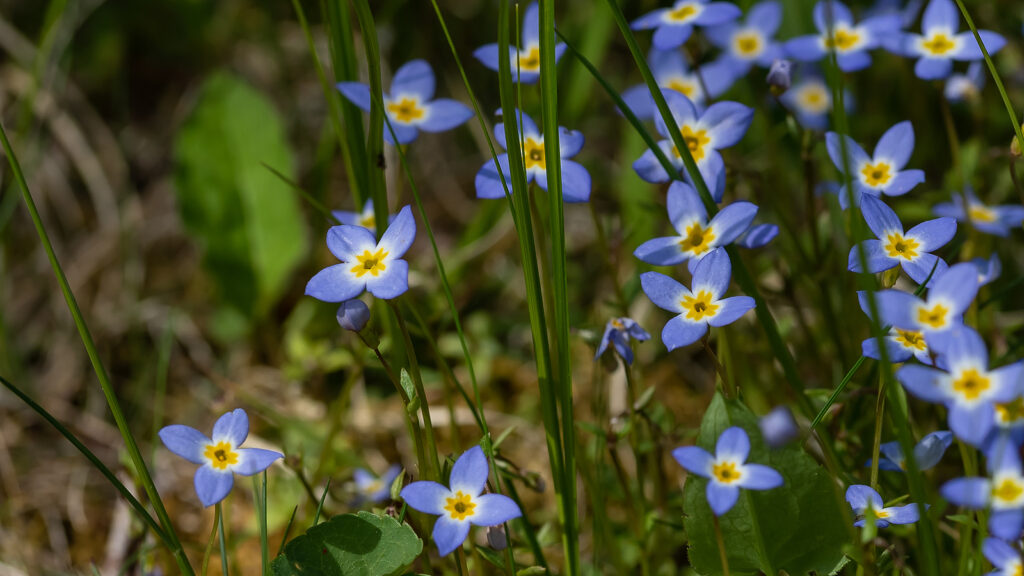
(880, 218)
(928, 68)
(255, 460)
(695, 460)
(575, 182)
(940, 14)
(469, 474)
(426, 497)
(488, 55)
(896, 308)
(445, 114)
(665, 292)
(969, 45)
(715, 13)
(999, 553)
(404, 133)
(875, 255)
(356, 93)
(923, 382)
(856, 155)
(860, 497)
(638, 99)
(958, 285)
(758, 236)
(649, 169)
(713, 273)
(930, 449)
(212, 486)
(662, 252)
(966, 348)
(840, 14)
(570, 142)
(733, 444)
(414, 78)
(904, 182)
(494, 509)
(760, 477)
(805, 48)
(726, 122)
(933, 234)
(684, 205)
(894, 351)
(721, 497)
(853, 61)
(488, 181)
(732, 221)
(972, 423)
(1007, 524)
(731, 309)
(670, 37)
(680, 332)
(531, 25)
(346, 241)
(766, 16)
(449, 534)
(391, 283)
(903, 514)
(335, 284)
(400, 234)
(185, 441)
(650, 20)
(232, 427)
(682, 109)
(897, 144)
(970, 493)
(922, 267)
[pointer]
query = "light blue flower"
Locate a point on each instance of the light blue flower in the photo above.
(673, 26)
(618, 332)
(525, 61)
(864, 499)
(967, 86)
(1006, 558)
(370, 488)
(751, 42)
(219, 457)
(672, 73)
(939, 42)
(894, 247)
(462, 504)
(697, 236)
(700, 308)
(850, 40)
(727, 470)
(1002, 492)
(367, 218)
(988, 270)
(366, 264)
(778, 427)
(810, 100)
(722, 125)
(927, 453)
(996, 220)
(411, 106)
(881, 174)
(758, 235)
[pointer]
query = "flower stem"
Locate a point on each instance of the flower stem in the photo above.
(721, 546)
(209, 543)
(434, 466)
(223, 540)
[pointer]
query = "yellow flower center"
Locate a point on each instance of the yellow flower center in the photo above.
(618, 325)
(971, 384)
(700, 306)
(980, 213)
(368, 263)
(682, 13)
(1010, 412)
(534, 153)
(936, 317)
(369, 221)
(881, 514)
(842, 40)
(220, 455)
(900, 247)
(685, 87)
(910, 339)
(876, 175)
(373, 487)
(529, 61)
(460, 506)
(726, 472)
(1018, 568)
(697, 240)
(695, 141)
(938, 44)
(747, 44)
(1008, 490)
(814, 99)
(405, 110)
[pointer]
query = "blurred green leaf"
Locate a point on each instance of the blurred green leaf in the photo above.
(246, 221)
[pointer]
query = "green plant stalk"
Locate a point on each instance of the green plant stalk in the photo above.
(434, 469)
(259, 492)
(723, 557)
(223, 540)
(212, 539)
(320, 504)
(97, 364)
(288, 530)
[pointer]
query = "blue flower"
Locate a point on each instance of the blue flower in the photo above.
(894, 247)
(1006, 558)
(850, 40)
(353, 315)
(906, 13)
(220, 457)
(525, 63)
(411, 106)
(778, 427)
(900, 345)
(462, 504)
(575, 178)
(967, 387)
(967, 86)
(672, 73)
(988, 270)
(758, 235)
(1002, 491)
(997, 220)
(727, 469)
(697, 236)
(864, 501)
(722, 125)
(699, 308)
(373, 489)
(617, 333)
(366, 264)
(674, 25)
(883, 173)
(939, 44)
(927, 453)
(750, 42)
(810, 100)
(367, 218)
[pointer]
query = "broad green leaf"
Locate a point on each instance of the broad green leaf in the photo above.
(796, 527)
(246, 221)
(361, 544)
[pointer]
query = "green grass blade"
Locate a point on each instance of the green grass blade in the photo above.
(320, 505)
(375, 138)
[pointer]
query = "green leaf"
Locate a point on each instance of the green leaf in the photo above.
(246, 220)
(796, 527)
(361, 544)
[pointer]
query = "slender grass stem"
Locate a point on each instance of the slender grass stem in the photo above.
(212, 539)
(223, 540)
(434, 471)
(876, 447)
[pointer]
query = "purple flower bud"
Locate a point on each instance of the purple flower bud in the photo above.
(496, 537)
(778, 427)
(353, 315)
(780, 76)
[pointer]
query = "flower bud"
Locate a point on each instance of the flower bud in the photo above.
(353, 315)
(778, 427)
(780, 76)
(1015, 147)
(496, 537)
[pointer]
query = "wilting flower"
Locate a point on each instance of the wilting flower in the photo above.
(939, 44)
(525, 62)
(967, 86)
(367, 218)
(618, 333)
(881, 174)
(575, 178)
(864, 501)
(221, 457)
(810, 101)
(411, 106)
(699, 308)
(722, 125)
(353, 315)
(674, 25)
(727, 470)
(462, 504)
(366, 264)
(927, 453)
(370, 488)
(697, 236)
(1002, 491)
(997, 220)
(1003, 556)
(672, 73)
(778, 427)
(894, 247)
(851, 41)
(967, 387)
(750, 42)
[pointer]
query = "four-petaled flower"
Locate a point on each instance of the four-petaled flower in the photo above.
(525, 62)
(617, 333)
(1002, 491)
(411, 106)
(366, 264)
(927, 453)
(866, 502)
(894, 247)
(1006, 558)
(939, 42)
(367, 218)
(700, 307)
(810, 100)
(851, 41)
(750, 42)
(996, 220)
(219, 457)
(462, 504)
(727, 470)
(370, 488)
(674, 25)
(881, 174)
(966, 87)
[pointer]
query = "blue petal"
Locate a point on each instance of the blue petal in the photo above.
(718, 77)
(232, 427)
(684, 206)
(999, 553)
(1010, 379)
(392, 282)
(958, 285)
(356, 93)
(605, 339)
(255, 460)
(527, 127)
(730, 310)
(922, 267)
(488, 55)
(713, 273)
(621, 344)
(733, 444)
(766, 16)
(760, 477)
(880, 218)
(896, 145)
(933, 234)
(666, 63)
(758, 236)
(732, 221)
(212, 486)
(570, 142)
(346, 241)
(933, 68)
(923, 382)
(903, 514)
(661, 252)
(635, 330)
(1007, 524)
(895, 352)
(856, 155)
(969, 45)
(531, 25)
(335, 284)
(875, 255)
(426, 497)
(893, 454)
(665, 292)
(488, 181)
(1010, 216)
(972, 423)
(682, 109)
(970, 493)
(930, 449)
(638, 99)
(721, 36)
(904, 182)
(403, 133)
(722, 497)
(805, 48)
(715, 13)
(669, 37)
(940, 14)
(680, 332)
(840, 14)
(649, 169)
(652, 19)
(400, 234)
(185, 441)
(449, 534)
(896, 308)
(494, 509)
(853, 61)
(861, 497)
(445, 114)
(726, 123)
(414, 78)
(575, 182)
(965, 348)
(469, 473)
(695, 460)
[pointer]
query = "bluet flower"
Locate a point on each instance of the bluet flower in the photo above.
(371, 488)
(1006, 558)
(672, 73)
(865, 501)
(750, 42)
(525, 61)
(758, 235)
(673, 26)
(618, 332)
(219, 457)
(366, 264)
(1002, 491)
(778, 427)
(411, 106)
(367, 218)
(967, 86)
(462, 504)
(996, 220)
(939, 42)
(927, 453)
(810, 101)
(881, 174)
(699, 308)
(850, 40)
(727, 470)
(989, 269)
